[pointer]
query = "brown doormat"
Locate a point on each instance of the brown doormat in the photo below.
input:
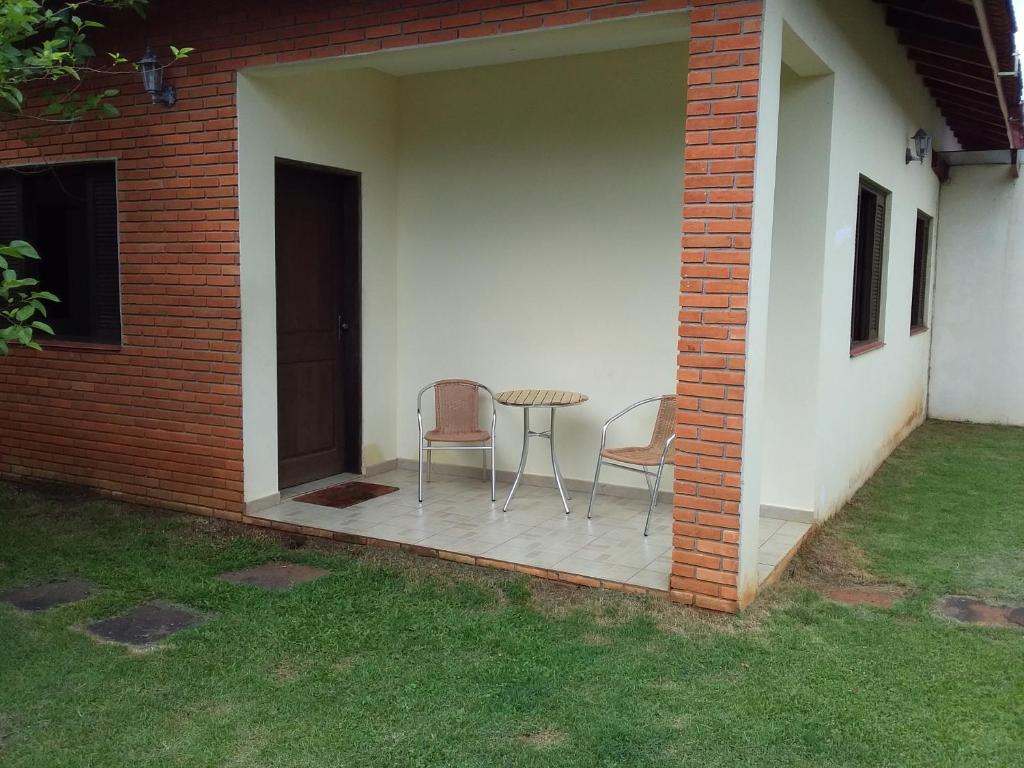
(346, 494)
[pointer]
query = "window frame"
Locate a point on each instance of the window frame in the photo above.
(92, 341)
(921, 279)
(862, 285)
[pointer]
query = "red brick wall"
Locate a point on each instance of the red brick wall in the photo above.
(718, 198)
(159, 419)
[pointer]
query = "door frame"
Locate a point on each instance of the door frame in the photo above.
(351, 297)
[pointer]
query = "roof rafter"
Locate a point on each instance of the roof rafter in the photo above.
(949, 11)
(963, 51)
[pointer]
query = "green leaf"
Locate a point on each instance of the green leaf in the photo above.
(25, 249)
(24, 313)
(39, 325)
(13, 96)
(18, 282)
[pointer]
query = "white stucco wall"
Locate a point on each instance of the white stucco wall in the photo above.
(867, 404)
(345, 120)
(794, 312)
(539, 241)
(520, 227)
(978, 324)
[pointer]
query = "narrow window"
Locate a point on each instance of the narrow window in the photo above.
(69, 213)
(868, 265)
(922, 243)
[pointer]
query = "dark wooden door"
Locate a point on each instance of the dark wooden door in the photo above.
(318, 354)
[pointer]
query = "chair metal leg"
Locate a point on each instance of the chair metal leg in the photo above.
(430, 461)
(654, 495)
(483, 465)
(593, 491)
(494, 472)
(647, 479)
(419, 471)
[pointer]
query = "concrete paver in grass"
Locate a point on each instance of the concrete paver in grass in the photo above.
(278, 577)
(879, 596)
(146, 624)
(970, 610)
(41, 597)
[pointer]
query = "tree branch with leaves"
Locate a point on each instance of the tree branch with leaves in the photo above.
(22, 307)
(44, 50)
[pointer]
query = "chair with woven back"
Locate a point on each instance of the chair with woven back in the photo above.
(456, 425)
(642, 459)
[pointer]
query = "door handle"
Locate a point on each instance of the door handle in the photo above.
(342, 327)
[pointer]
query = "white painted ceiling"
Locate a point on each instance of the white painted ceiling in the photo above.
(594, 37)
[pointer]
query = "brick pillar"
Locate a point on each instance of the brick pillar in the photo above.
(719, 178)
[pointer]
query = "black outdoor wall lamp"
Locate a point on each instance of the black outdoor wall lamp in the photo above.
(922, 143)
(153, 77)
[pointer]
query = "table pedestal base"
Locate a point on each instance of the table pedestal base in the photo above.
(549, 435)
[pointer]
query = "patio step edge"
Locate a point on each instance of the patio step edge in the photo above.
(550, 574)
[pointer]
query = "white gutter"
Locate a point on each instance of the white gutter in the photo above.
(993, 60)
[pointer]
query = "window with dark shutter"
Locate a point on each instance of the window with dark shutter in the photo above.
(105, 288)
(869, 265)
(69, 213)
(922, 244)
(11, 215)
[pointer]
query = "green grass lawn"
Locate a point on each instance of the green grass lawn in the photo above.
(397, 661)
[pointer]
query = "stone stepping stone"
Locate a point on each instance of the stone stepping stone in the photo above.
(879, 597)
(278, 577)
(146, 624)
(970, 610)
(42, 597)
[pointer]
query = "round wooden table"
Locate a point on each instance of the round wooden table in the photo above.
(551, 399)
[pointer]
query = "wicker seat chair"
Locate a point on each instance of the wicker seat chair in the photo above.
(456, 424)
(642, 459)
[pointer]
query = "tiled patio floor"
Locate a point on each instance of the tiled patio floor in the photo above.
(457, 516)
